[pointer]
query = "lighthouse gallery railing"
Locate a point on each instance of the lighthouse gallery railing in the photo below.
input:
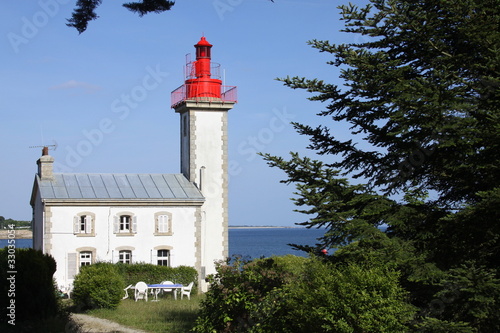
(179, 95)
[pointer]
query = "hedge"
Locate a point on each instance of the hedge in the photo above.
(155, 274)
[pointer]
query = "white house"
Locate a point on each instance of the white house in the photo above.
(163, 219)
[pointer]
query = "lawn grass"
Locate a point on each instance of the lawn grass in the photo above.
(166, 315)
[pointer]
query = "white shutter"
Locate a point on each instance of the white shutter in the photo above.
(134, 224)
(163, 223)
(88, 224)
(76, 224)
(71, 265)
(116, 225)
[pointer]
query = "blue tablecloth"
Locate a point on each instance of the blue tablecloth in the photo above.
(166, 286)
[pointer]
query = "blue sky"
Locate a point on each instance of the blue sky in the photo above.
(104, 96)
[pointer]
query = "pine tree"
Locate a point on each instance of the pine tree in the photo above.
(421, 91)
(85, 11)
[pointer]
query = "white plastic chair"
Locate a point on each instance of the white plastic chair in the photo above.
(141, 291)
(168, 290)
(187, 290)
(126, 291)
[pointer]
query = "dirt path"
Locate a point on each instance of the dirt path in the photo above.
(89, 324)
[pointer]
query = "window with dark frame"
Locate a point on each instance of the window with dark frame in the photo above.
(125, 257)
(83, 221)
(83, 225)
(163, 257)
(125, 221)
(85, 258)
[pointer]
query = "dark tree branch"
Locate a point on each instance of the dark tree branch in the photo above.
(149, 6)
(83, 14)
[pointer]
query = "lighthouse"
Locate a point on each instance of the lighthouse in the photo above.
(203, 104)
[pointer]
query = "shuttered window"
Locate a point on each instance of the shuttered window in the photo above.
(125, 223)
(163, 223)
(83, 224)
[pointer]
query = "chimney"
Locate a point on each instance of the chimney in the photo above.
(45, 165)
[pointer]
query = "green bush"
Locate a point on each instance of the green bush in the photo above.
(239, 288)
(294, 294)
(338, 298)
(31, 287)
(98, 286)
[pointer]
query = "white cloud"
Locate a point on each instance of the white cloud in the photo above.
(73, 84)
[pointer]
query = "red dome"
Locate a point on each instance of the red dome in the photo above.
(203, 42)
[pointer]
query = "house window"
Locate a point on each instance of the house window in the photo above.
(83, 224)
(125, 223)
(125, 257)
(85, 258)
(163, 257)
(163, 223)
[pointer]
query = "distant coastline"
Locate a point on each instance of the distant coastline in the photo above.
(20, 234)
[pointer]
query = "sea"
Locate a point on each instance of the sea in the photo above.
(251, 242)
(254, 243)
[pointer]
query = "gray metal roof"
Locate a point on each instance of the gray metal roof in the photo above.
(118, 186)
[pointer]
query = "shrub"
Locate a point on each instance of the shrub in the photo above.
(239, 288)
(31, 287)
(338, 298)
(98, 286)
(295, 294)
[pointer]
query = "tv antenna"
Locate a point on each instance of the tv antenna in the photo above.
(52, 147)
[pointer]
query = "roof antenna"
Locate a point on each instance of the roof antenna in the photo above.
(46, 147)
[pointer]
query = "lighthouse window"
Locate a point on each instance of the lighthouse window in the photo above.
(203, 52)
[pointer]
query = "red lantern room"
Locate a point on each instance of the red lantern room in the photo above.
(203, 79)
(203, 58)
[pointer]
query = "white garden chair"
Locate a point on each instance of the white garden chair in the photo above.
(187, 290)
(126, 290)
(141, 291)
(168, 290)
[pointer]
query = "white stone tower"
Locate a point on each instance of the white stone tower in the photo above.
(203, 104)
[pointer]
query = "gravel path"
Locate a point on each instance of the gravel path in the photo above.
(89, 324)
